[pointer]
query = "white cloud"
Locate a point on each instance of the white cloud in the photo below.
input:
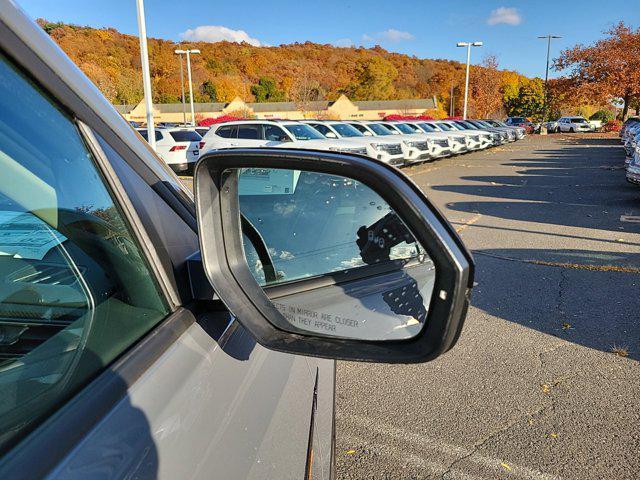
(393, 35)
(218, 33)
(344, 42)
(506, 15)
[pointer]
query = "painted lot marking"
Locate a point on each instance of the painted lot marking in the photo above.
(630, 218)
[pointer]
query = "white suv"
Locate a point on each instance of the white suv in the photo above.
(388, 151)
(178, 147)
(270, 133)
(438, 147)
(574, 124)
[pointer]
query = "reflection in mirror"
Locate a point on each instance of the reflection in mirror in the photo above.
(367, 276)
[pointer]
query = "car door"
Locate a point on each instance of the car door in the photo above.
(108, 365)
(274, 135)
(250, 135)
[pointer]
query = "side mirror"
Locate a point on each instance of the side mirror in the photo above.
(367, 133)
(284, 139)
(348, 259)
(330, 134)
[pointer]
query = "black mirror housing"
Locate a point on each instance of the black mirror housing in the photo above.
(221, 224)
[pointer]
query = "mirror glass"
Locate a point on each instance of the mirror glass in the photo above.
(366, 277)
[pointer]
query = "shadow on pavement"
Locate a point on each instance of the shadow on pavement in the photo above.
(550, 180)
(589, 307)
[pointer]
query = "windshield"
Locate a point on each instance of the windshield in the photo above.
(445, 127)
(404, 128)
(427, 127)
(379, 129)
(304, 132)
(466, 125)
(578, 120)
(346, 130)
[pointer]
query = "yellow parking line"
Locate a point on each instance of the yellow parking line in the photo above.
(573, 266)
(473, 220)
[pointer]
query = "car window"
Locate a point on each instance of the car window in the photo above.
(346, 130)
(274, 133)
(361, 128)
(229, 131)
(75, 289)
(145, 135)
(249, 132)
(304, 132)
(185, 136)
(323, 129)
(380, 129)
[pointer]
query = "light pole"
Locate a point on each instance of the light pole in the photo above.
(146, 77)
(546, 75)
(189, 53)
(184, 109)
(466, 82)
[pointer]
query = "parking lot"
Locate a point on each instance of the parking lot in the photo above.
(544, 380)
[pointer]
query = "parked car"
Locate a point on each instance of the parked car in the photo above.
(388, 151)
(519, 131)
(523, 122)
(439, 147)
(151, 333)
(415, 150)
(510, 132)
(202, 131)
(574, 125)
(457, 142)
(178, 147)
(497, 137)
(475, 140)
(633, 168)
(552, 126)
(277, 134)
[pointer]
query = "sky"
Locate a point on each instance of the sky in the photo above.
(425, 29)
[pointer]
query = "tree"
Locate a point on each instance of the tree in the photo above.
(208, 90)
(373, 80)
(305, 91)
(267, 91)
(607, 69)
(529, 102)
(484, 89)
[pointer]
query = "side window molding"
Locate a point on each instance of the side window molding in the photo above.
(166, 285)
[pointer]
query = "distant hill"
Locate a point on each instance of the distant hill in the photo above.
(294, 72)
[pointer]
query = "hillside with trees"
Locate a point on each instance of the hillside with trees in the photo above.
(304, 72)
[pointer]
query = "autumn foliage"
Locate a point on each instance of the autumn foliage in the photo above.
(607, 69)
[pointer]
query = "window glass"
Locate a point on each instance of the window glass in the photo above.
(360, 128)
(185, 136)
(304, 132)
(380, 129)
(274, 133)
(249, 132)
(346, 130)
(145, 135)
(404, 128)
(323, 129)
(227, 132)
(427, 127)
(75, 290)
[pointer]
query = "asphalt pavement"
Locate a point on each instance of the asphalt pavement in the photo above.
(544, 382)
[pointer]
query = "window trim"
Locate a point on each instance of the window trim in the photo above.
(138, 230)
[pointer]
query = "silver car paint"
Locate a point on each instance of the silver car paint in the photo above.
(203, 409)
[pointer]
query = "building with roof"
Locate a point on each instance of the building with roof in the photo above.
(340, 109)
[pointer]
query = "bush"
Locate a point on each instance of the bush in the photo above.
(605, 116)
(612, 126)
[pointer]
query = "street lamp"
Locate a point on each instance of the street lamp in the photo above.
(146, 77)
(184, 109)
(546, 75)
(466, 82)
(189, 53)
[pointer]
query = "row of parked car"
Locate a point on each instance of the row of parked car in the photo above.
(630, 137)
(398, 143)
(575, 124)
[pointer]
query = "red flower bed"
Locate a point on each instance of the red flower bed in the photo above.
(207, 122)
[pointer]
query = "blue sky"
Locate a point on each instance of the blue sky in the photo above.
(426, 29)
